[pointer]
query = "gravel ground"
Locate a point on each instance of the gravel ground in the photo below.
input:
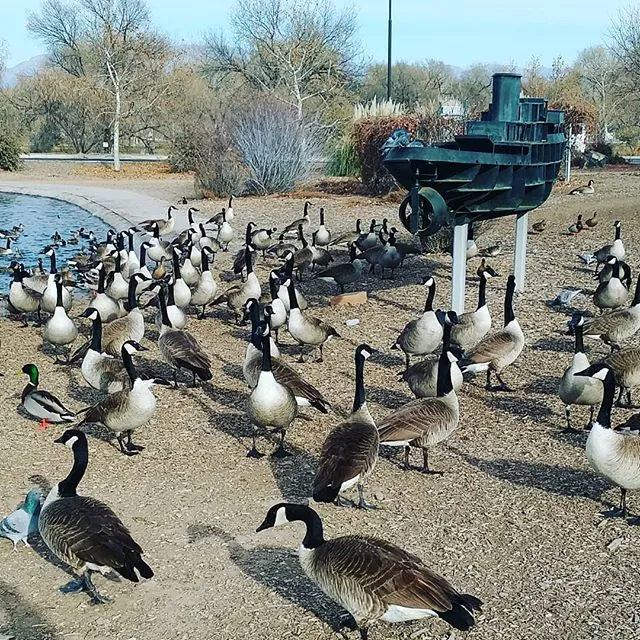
(514, 520)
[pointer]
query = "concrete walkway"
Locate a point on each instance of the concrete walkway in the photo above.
(118, 207)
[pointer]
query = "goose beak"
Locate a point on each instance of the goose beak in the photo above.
(262, 527)
(59, 440)
(164, 382)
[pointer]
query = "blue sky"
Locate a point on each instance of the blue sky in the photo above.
(422, 28)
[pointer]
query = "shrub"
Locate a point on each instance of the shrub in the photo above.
(277, 147)
(9, 154)
(344, 161)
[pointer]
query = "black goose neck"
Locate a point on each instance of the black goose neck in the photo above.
(604, 413)
(176, 265)
(254, 316)
(443, 383)
(428, 305)
(266, 351)
(68, 487)
(579, 335)
(273, 287)
(636, 295)
(618, 229)
(143, 255)
(171, 301)
(359, 398)
(163, 308)
(96, 334)
(101, 277)
(52, 258)
(482, 291)
(288, 268)
(352, 252)
(131, 293)
(509, 315)
(293, 298)
(248, 260)
(314, 537)
(204, 260)
(128, 364)
(247, 235)
(321, 216)
(59, 293)
(130, 237)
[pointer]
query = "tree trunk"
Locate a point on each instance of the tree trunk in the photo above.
(116, 133)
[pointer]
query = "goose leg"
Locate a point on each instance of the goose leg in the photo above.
(362, 504)
(503, 386)
(425, 464)
(281, 452)
(591, 412)
(341, 287)
(253, 452)
(321, 354)
(407, 466)
(619, 400)
(407, 360)
(201, 314)
(90, 588)
(193, 386)
(623, 503)
(130, 445)
(175, 378)
(125, 449)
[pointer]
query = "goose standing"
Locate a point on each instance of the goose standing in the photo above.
(613, 453)
(307, 330)
(371, 578)
(283, 291)
(345, 272)
(606, 273)
(322, 235)
(60, 329)
(304, 256)
(625, 365)
(422, 336)
(181, 291)
(368, 240)
(84, 532)
(176, 315)
(133, 262)
(158, 248)
(119, 287)
(422, 377)
(279, 317)
(125, 411)
(164, 227)
(107, 307)
(616, 249)
(496, 352)
(350, 451)
(320, 257)
(49, 300)
(391, 258)
(575, 389)
(474, 325)
(424, 422)
(225, 232)
(261, 239)
(143, 270)
(612, 293)
(22, 299)
(294, 227)
(42, 404)
(350, 236)
(188, 272)
(271, 405)
(101, 370)
(207, 287)
(180, 349)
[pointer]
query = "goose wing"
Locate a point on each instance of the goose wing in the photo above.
(300, 387)
(184, 350)
(49, 402)
(491, 348)
(99, 413)
(411, 421)
(605, 323)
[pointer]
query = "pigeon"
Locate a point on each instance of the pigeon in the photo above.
(565, 297)
(20, 524)
(587, 258)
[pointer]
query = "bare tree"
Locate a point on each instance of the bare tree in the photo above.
(625, 41)
(112, 41)
(299, 51)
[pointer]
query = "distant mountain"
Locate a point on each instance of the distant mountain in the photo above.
(30, 66)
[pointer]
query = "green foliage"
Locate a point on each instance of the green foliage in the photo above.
(45, 138)
(344, 161)
(9, 153)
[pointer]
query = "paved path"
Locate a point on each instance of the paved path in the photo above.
(118, 207)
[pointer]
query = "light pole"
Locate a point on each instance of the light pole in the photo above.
(389, 56)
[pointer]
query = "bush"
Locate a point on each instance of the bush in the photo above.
(277, 147)
(344, 161)
(9, 154)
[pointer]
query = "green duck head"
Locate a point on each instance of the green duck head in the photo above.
(32, 371)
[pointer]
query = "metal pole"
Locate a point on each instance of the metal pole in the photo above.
(567, 158)
(459, 267)
(520, 254)
(389, 56)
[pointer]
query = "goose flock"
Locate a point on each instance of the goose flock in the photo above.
(134, 304)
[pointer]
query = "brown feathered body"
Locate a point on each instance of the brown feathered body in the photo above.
(182, 350)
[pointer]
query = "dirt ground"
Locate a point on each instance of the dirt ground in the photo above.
(514, 520)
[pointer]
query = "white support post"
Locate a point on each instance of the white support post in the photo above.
(459, 267)
(520, 254)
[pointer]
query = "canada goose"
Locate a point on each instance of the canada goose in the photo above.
(607, 271)
(496, 352)
(472, 248)
(164, 227)
(84, 532)
(584, 190)
(371, 578)
(261, 239)
(281, 247)
(50, 294)
(239, 259)
(579, 389)
(616, 249)
(304, 256)
(228, 212)
(22, 523)
(42, 404)
(6, 250)
(350, 450)
(283, 291)
(143, 269)
(611, 294)
(421, 336)
(576, 227)
(236, 296)
(118, 287)
(124, 411)
(425, 421)
(350, 236)
(188, 271)
(271, 405)
(176, 315)
(391, 258)
(101, 370)
(107, 307)
(225, 232)
(343, 273)
(322, 235)
(181, 291)
(22, 299)
(298, 222)
(103, 249)
(422, 377)
(539, 226)
(305, 393)
(129, 327)
(373, 254)
(592, 221)
(133, 262)
(60, 329)
(617, 326)
(307, 330)
(158, 248)
(613, 453)
(279, 317)
(474, 325)
(493, 250)
(207, 287)
(368, 240)
(180, 349)
(320, 257)
(625, 365)
(251, 312)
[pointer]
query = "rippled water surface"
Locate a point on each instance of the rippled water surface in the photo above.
(41, 218)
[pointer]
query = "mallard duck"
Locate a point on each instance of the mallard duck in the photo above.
(42, 404)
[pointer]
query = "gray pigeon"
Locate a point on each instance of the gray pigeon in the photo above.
(587, 258)
(20, 524)
(565, 297)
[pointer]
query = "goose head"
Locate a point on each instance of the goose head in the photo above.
(71, 437)
(279, 514)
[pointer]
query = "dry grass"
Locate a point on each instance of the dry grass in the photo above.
(514, 519)
(128, 170)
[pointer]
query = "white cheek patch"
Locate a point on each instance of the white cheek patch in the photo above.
(71, 441)
(366, 354)
(600, 375)
(281, 517)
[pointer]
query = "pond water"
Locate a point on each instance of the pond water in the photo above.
(41, 218)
